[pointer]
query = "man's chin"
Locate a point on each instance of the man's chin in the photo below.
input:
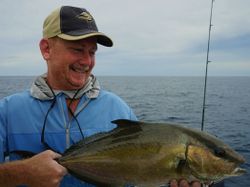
(75, 85)
(78, 81)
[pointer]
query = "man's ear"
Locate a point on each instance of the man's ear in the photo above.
(45, 48)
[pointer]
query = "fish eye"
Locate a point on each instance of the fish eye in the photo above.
(219, 152)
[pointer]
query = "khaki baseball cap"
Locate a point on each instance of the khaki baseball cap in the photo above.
(73, 23)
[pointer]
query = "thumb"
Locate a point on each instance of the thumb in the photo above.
(53, 154)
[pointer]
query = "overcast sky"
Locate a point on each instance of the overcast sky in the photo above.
(151, 37)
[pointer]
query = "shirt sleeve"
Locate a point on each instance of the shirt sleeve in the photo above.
(132, 115)
(3, 132)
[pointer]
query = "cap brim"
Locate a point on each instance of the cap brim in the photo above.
(101, 38)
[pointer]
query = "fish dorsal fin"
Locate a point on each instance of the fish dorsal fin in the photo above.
(126, 123)
(126, 129)
(122, 124)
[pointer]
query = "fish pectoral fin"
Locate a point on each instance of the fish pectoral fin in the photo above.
(181, 166)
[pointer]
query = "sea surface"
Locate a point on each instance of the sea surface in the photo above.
(179, 100)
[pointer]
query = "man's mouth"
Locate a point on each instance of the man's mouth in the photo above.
(80, 69)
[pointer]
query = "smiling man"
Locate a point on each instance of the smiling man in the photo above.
(63, 106)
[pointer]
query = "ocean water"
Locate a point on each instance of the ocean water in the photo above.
(179, 100)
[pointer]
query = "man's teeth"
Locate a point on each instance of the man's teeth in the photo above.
(80, 70)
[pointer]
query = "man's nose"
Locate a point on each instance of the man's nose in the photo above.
(86, 59)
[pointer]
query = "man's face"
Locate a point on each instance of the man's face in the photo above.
(70, 62)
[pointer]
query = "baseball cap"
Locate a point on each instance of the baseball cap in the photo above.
(73, 23)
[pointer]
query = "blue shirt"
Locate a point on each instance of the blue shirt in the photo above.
(22, 118)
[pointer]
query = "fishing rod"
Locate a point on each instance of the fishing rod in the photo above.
(207, 61)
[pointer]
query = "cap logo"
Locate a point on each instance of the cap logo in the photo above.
(85, 16)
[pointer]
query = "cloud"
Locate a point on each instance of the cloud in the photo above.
(169, 34)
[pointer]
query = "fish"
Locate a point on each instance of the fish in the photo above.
(147, 154)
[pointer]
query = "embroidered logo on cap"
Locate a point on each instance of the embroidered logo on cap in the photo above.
(85, 16)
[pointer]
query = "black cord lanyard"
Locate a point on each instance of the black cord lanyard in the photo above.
(49, 110)
(73, 115)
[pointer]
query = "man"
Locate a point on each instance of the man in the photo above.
(62, 107)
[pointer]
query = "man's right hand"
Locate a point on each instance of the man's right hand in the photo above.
(41, 170)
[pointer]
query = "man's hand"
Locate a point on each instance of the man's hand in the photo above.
(184, 183)
(40, 170)
(43, 170)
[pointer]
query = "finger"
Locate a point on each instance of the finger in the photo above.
(56, 155)
(64, 170)
(195, 184)
(183, 183)
(173, 183)
(53, 154)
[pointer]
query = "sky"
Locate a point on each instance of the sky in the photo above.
(151, 37)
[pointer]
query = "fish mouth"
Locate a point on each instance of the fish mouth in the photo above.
(238, 171)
